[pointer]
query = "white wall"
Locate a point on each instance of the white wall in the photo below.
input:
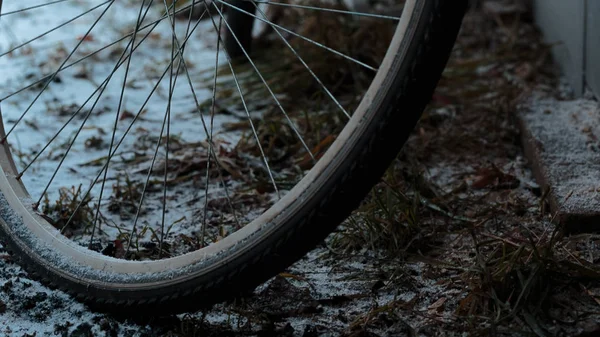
(563, 24)
(592, 66)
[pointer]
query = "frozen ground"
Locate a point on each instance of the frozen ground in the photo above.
(29, 308)
(481, 218)
(74, 118)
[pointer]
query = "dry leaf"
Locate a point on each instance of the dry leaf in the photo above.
(494, 177)
(438, 305)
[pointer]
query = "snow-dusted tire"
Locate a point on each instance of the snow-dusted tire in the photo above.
(283, 234)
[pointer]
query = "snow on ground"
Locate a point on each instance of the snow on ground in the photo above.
(39, 142)
(28, 308)
(321, 295)
(439, 289)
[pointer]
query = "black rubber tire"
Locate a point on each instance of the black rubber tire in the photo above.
(393, 114)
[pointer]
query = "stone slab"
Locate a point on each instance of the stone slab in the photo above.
(561, 139)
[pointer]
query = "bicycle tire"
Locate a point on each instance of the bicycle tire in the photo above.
(330, 192)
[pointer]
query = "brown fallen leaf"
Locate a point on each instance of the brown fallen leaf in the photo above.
(437, 305)
(494, 178)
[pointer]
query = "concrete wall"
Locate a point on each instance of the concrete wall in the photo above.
(592, 65)
(563, 25)
(573, 27)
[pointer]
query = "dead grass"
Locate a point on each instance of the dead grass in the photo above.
(67, 215)
(476, 245)
(309, 107)
(389, 221)
(485, 229)
(125, 197)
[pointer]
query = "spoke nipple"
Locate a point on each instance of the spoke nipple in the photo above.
(35, 206)
(18, 177)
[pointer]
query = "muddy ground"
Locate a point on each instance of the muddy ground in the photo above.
(457, 239)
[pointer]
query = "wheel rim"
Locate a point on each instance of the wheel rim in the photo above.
(18, 198)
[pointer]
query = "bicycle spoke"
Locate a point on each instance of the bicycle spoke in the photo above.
(32, 7)
(130, 126)
(254, 132)
(252, 126)
(181, 62)
(215, 168)
(277, 102)
(145, 188)
(127, 215)
(168, 113)
(300, 36)
(210, 136)
(324, 9)
(118, 65)
(209, 133)
(103, 246)
(154, 24)
(147, 181)
(165, 125)
(140, 19)
(103, 87)
(56, 73)
(212, 153)
(67, 151)
(57, 27)
(337, 103)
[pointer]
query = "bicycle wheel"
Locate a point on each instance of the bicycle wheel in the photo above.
(158, 210)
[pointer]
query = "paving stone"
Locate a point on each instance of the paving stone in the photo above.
(561, 141)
